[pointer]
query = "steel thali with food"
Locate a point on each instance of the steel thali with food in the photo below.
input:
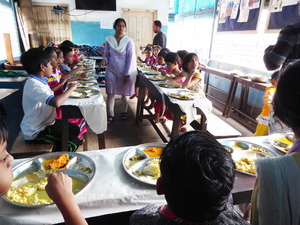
(282, 141)
(29, 177)
(245, 153)
(142, 162)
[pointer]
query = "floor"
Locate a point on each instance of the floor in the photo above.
(126, 133)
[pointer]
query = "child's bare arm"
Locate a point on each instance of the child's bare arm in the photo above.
(61, 83)
(176, 78)
(83, 75)
(191, 80)
(60, 99)
(59, 189)
(73, 71)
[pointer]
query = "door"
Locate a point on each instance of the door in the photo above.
(139, 27)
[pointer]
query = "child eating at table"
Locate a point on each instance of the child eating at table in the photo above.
(59, 187)
(68, 61)
(161, 64)
(182, 54)
(39, 103)
(77, 57)
(56, 83)
(197, 176)
(193, 78)
(155, 50)
(150, 58)
(263, 119)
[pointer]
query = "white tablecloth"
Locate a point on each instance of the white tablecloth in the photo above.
(188, 106)
(93, 110)
(112, 190)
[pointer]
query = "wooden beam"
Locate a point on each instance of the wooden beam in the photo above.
(9, 55)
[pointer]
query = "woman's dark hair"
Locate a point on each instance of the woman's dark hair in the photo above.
(3, 131)
(148, 48)
(157, 23)
(182, 53)
(286, 107)
(197, 176)
(118, 21)
(186, 60)
(66, 50)
(66, 44)
(33, 58)
(172, 57)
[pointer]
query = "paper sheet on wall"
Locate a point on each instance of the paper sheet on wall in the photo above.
(254, 4)
(222, 18)
(289, 2)
(235, 9)
(106, 23)
(244, 11)
(276, 6)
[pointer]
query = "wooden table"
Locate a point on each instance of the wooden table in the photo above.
(112, 190)
(71, 112)
(221, 73)
(12, 82)
(153, 90)
(246, 85)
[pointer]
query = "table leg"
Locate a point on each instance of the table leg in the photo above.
(140, 104)
(65, 132)
(85, 143)
(176, 124)
(101, 141)
(231, 99)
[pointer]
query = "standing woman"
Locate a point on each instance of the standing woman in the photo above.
(121, 70)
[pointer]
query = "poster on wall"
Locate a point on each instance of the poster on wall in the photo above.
(244, 11)
(239, 15)
(106, 23)
(286, 13)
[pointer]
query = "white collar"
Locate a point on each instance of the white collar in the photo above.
(119, 47)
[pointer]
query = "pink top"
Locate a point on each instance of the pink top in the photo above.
(150, 60)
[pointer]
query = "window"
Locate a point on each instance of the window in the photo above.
(8, 25)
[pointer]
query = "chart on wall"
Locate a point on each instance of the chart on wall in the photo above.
(238, 15)
(282, 13)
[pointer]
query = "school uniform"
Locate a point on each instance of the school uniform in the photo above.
(39, 123)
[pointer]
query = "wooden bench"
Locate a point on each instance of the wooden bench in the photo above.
(217, 127)
(22, 148)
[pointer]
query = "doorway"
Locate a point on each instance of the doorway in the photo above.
(139, 27)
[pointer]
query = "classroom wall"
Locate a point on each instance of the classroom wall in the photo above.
(85, 24)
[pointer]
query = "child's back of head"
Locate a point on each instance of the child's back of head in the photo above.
(286, 105)
(33, 58)
(172, 57)
(182, 53)
(197, 176)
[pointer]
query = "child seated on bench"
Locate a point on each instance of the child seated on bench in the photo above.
(39, 103)
(197, 176)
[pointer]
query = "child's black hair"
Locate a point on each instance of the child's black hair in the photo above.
(148, 48)
(163, 53)
(66, 44)
(186, 60)
(286, 106)
(58, 51)
(66, 50)
(172, 57)
(197, 176)
(275, 75)
(156, 46)
(76, 46)
(33, 58)
(3, 131)
(49, 50)
(118, 21)
(182, 53)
